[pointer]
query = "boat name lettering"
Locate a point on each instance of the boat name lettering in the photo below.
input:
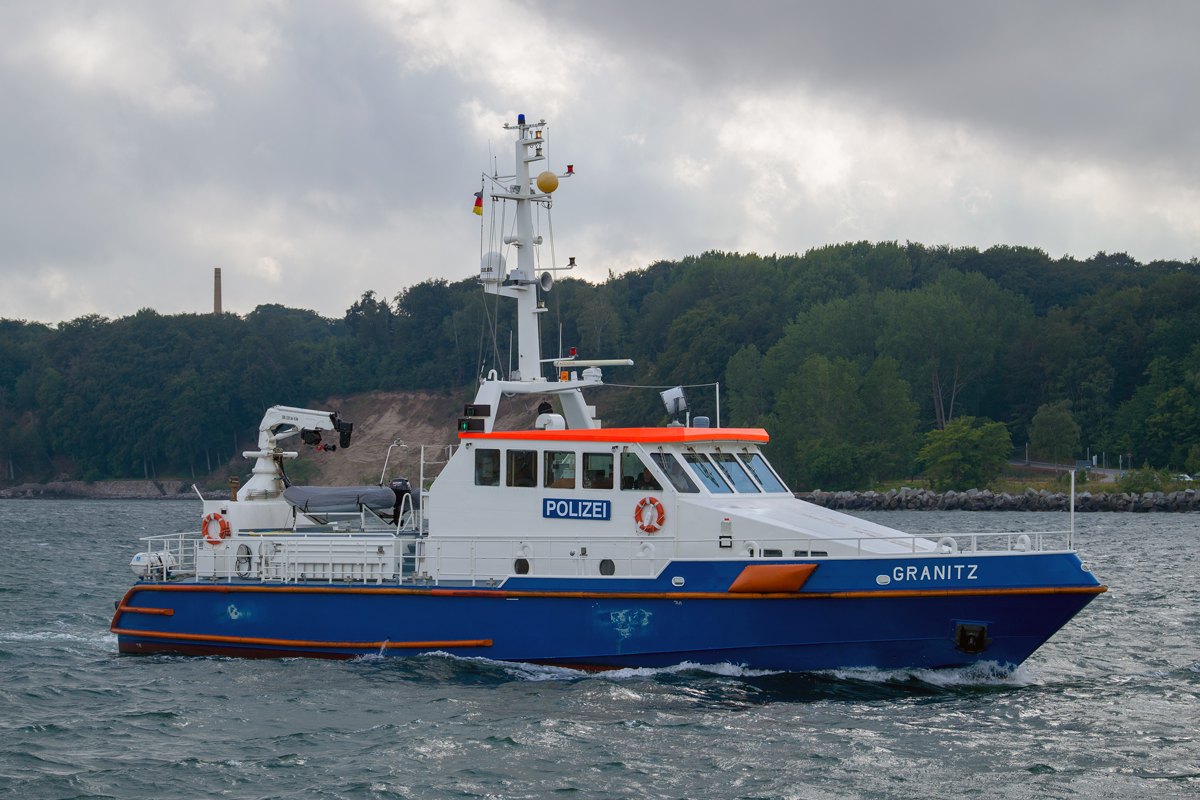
(943, 572)
(577, 509)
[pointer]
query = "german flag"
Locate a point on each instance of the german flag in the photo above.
(479, 203)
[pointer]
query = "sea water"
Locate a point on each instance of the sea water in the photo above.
(1109, 707)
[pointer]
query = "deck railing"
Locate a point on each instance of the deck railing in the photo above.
(378, 558)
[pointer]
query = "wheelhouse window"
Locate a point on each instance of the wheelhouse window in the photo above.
(560, 470)
(636, 476)
(522, 468)
(707, 473)
(597, 470)
(487, 467)
(674, 472)
(762, 472)
(728, 464)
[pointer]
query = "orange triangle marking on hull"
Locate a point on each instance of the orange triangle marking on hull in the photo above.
(767, 578)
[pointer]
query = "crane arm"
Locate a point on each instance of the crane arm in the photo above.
(281, 422)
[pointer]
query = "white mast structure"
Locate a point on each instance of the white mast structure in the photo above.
(523, 284)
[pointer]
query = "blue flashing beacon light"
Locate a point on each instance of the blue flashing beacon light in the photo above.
(520, 119)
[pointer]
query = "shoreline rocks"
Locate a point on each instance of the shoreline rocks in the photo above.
(108, 490)
(900, 499)
(985, 500)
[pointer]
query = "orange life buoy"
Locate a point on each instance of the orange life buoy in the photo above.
(222, 530)
(657, 517)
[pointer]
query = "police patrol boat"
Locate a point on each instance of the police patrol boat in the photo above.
(579, 545)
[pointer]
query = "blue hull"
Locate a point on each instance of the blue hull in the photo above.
(841, 617)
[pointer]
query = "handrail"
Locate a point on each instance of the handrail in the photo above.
(809, 542)
(292, 556)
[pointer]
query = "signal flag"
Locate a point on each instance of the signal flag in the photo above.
(479, 203)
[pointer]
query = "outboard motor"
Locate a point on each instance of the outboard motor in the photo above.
(401, 488)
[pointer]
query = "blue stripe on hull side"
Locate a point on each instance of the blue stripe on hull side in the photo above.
(786, 634)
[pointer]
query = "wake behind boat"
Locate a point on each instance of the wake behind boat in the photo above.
(579, 545)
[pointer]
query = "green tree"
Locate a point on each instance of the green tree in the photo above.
(745, 389)
(1054, 431)
(967, 454)
(1173, 425)
(995, 333)
(1141, 480)
(833, 427)
(949, 335)
(1193, 459)
(838, 465)
(887, 434)
(816, 411)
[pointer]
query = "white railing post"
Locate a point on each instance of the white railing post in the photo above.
(1071, 535)
(420, 523)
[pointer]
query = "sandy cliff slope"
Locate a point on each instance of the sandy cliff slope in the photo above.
(381, 418)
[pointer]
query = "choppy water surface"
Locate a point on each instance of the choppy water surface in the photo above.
(1108, 708)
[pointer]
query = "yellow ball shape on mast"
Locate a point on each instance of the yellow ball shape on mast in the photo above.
(547, 182)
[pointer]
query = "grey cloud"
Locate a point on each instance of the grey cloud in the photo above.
(314, 150)
(103, 187)
(1113, 78)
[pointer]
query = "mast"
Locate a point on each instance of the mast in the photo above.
(523, 280)
(523, 284)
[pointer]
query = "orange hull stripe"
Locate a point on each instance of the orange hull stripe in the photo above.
(642, 435)
(199, 637)
(166, 612)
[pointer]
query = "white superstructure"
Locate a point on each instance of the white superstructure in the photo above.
(568, 499)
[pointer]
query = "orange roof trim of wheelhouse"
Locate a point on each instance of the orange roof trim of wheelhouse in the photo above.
(640, 435)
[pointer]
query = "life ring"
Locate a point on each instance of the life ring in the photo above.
(658, 517)
(950, 545)
(222, 531)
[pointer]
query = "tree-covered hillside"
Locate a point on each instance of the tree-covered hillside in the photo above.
(847, 354)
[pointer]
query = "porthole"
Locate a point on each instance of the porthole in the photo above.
(607, 567)
(521, 566)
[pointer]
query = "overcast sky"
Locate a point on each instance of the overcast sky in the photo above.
(314, 150)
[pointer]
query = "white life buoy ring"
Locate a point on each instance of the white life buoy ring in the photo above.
(948, 543)
(222, 529)
(657, 515)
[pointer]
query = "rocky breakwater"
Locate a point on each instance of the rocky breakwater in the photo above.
(1029, 500)
(108, 490)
